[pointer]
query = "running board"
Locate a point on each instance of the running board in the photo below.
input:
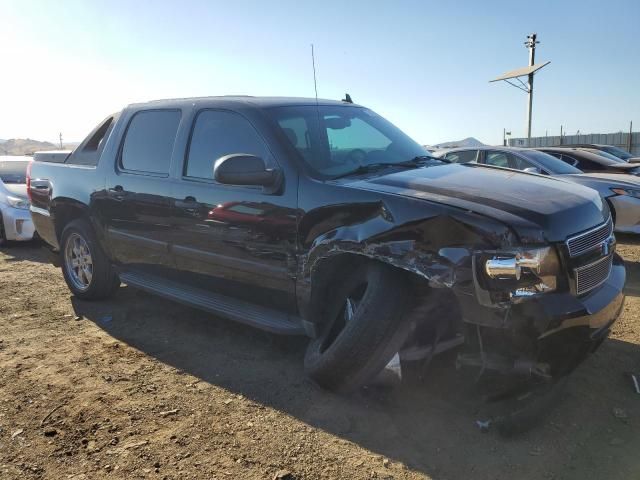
(239, 311)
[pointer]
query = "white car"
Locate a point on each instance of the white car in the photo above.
(15, 219)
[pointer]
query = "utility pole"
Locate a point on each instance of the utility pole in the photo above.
(560, 134)
(516, 75)
(630, 135)
(60, 140)
(531, 45)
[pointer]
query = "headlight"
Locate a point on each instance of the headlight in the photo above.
(632, 192)
(522, 272)
(16, 202)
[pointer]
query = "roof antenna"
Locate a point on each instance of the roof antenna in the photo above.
(347, 98)
(313, 62)
(315, 84)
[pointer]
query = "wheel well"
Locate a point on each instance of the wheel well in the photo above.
(436, 311)
(65, 213)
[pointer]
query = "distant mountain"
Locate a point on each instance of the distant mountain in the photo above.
(467, 142)
(24, 146)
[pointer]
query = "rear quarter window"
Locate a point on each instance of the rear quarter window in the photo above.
(462, 157)
(149, 140)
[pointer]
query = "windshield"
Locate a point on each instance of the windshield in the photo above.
(617, 152)
(550, 163)
(606, 155)
(13, 172)
(335, 140)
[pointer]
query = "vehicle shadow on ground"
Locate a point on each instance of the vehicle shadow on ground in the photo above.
(430, 428)
(32, 251)
(632, 286)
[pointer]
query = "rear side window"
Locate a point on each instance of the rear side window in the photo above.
(462, 157)
(89, 152)
(219, 133)
(149, 141)
(506, 160)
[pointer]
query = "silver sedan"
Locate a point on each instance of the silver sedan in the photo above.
(15, 219)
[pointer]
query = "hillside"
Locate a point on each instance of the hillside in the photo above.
(24, 146)
(467, 142)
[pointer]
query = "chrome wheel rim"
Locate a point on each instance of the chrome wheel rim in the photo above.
(78, 262)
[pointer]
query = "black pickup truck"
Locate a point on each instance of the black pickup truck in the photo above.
(321, 218)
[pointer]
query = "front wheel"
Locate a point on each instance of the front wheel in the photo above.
(85, 267)
(365, 327)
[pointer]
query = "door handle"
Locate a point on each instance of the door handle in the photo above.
(189, 205)
(117, 193)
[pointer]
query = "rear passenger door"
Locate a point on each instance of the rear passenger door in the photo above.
(137, 209)
(236, 240)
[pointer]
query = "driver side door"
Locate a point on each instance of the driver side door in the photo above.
(238, 240)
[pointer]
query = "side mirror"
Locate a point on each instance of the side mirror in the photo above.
(243, 169)
(532, 170)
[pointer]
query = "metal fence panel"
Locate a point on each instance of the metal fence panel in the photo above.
(619, 139)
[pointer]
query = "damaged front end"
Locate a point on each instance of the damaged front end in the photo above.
(516, 303)
(534, 314)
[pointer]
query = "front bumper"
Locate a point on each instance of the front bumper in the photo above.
(573, 326)
(17, 224)
(627, 211)
(555, 331)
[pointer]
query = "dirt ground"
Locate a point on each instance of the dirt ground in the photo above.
(140, 387)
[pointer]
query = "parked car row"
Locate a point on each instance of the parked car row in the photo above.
(616, 181)
(616, 152)
(321, 218)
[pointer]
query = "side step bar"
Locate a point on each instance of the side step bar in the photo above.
(254, 315)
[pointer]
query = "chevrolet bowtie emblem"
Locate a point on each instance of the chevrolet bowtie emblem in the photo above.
(605, 248)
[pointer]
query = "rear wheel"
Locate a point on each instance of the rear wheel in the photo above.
(85, 267)
(365, 328)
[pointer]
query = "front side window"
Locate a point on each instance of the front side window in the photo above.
(148, 143)
(551, 163)
(219, 133)
(334, 140)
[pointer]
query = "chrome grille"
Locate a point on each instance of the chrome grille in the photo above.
(590, 239)
(592, 275)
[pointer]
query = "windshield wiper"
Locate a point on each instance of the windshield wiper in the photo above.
(372, 167)
(421, 159)
(368, 168)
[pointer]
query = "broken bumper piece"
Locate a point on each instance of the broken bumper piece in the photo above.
(546, 336)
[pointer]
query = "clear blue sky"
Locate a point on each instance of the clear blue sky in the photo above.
(424, 65)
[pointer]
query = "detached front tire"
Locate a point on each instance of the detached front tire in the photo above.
(85, 266)
(365, 327)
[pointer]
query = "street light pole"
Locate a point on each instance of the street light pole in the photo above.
(531, 45)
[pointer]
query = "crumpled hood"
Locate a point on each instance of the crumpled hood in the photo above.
(531, 204)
